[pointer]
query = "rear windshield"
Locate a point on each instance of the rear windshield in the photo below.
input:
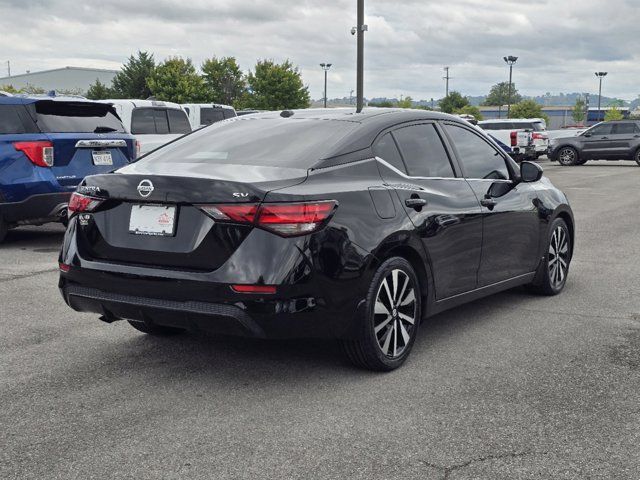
(292, 143)
(535, 126)
(159, 121)
(76, 117)
(211, 115)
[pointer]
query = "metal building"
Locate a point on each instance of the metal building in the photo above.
(74, 79)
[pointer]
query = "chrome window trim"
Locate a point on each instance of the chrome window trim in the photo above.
(402, 174)
(101, 144)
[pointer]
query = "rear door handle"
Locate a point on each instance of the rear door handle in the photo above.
(488, 203)
(415, 202)
(604, 138)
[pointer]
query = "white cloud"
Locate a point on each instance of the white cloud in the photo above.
(560, 43)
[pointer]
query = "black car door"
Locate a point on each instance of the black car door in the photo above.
(511, 225)
(596, 142)
(624, 136)
(439, 202)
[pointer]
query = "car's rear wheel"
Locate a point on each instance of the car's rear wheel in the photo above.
(568, 156)
(636, 157)
(552, 277)
(152, 329)
(581, 162)
(391, 318)
(4, 228)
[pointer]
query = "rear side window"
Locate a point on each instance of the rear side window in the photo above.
(228, 113)
(387, 150)
(178, 121)
(423, 152)
(76, 117)
(211, 115)
(10, 120)
(478, 157)
(143, 122)
(625, 128)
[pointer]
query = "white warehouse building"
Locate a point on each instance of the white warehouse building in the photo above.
(75, 79)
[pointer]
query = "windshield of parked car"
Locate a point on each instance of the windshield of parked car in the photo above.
(278, 142)
(76, 117)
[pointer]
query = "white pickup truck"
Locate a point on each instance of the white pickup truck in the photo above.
(503, 129)
(203, 114)
(152, 122)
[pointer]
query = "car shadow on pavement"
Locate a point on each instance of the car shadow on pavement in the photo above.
(47, 237)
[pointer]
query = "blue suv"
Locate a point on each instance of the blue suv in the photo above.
(47, 146)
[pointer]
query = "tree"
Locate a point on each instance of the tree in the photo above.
(452, 102)
(223, 79)
(499, 95)
(99, 91)
(131, 81)
(407, 102)
(9, 89)
(613, 114)
(578, 112)
(176, 80)
(276, 87)
(382, 104)
(470, 110)
(528, 109)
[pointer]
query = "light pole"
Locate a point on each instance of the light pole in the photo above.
(510, 60)
(600, 75)
(325, 67)
(359, 31)
(446, 78)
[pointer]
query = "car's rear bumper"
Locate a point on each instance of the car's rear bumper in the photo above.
(41, 208)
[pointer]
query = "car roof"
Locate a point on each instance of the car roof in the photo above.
(27, 100)
(511, 120)
(135, 103)
(215, 105)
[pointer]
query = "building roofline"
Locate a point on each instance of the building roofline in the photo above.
(103, 70)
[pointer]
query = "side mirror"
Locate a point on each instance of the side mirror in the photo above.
(530, 172)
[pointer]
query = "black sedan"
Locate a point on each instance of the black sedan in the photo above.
(314, 224)
(604, 141)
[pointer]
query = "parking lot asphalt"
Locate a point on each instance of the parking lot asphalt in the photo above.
(514, 386)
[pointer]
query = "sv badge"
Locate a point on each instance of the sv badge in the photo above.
(240, 195)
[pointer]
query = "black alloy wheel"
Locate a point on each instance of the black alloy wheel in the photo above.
(392, 318)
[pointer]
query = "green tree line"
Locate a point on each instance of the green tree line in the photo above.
(269, 86)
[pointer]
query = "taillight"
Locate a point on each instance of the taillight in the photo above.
(81, 203)
(514, 139)
(285, 219)
(255, 289)
(40, 153)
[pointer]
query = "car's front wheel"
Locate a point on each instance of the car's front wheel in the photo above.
(568, 156)
(552, 276)
(636, 157)
(156, 330)
(389, 326)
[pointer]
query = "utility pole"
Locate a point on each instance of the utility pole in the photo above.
(600, 75)
(359, 30)
(8, 68)
(325, 67)
(447, 78)
(351, 98)
(510, 60)
(586, 117)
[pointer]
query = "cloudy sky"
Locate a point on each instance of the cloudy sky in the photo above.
(561, 43)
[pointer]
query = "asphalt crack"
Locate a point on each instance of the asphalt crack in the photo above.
(27, 275)
(448, 470)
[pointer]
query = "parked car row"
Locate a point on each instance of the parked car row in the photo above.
(527, 137)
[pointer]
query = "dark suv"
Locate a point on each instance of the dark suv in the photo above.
(604, 141)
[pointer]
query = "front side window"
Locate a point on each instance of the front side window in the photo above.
(478, 157)
(602, 129)
(423, 152)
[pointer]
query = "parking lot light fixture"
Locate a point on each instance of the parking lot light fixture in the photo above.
(600, 76)
(510, 60)
(325, 67)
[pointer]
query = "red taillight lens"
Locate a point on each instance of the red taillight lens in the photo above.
(81, 203)
(286, 219)
(40, 153)
(514, 139)
(262, 289)
(291, 219)
(64, 267)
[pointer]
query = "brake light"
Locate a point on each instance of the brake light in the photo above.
(263, 289)
(539, 136)
(64, 267)
(40, 153)
(514, 139)
(286, 219)
(81, 203)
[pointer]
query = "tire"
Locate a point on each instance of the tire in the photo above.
(554, 270)
(581, 162)
(156, 330)
(4, 228)
(636, 157)
(568, 156)
(389, 324)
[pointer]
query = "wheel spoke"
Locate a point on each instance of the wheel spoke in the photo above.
(395, 339)
(406, 318)
(387, 341)
(405, 334)
(404, 289)
(381, 309)
(383, 324)
(394, 281)
(411, 297)
(385, 284)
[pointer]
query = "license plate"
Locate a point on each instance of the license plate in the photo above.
(155, 220)
(102, 158)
